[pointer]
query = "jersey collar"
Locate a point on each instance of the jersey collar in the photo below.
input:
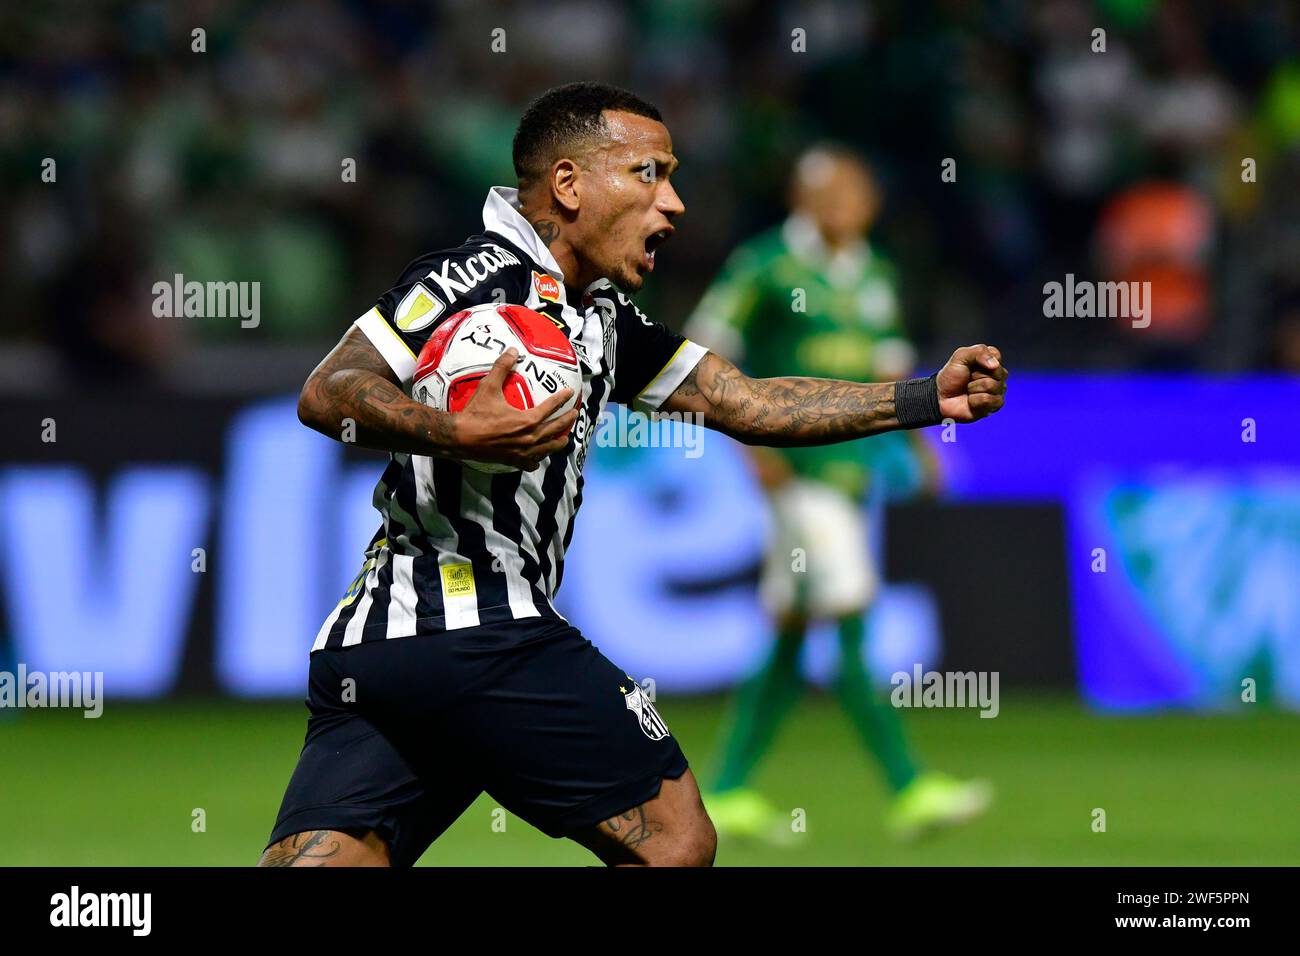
(501, 215)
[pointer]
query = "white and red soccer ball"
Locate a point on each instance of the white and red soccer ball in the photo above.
(464, 347)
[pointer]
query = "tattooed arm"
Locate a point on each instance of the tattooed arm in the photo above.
(354, 384)
(821, 411)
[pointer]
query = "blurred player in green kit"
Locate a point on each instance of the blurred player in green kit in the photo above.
(812, 297)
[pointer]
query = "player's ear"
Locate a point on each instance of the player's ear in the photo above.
(564, 184)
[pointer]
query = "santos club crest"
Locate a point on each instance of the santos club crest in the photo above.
(651, 722)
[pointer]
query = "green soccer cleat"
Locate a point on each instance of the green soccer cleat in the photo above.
(935, 800)
(746, 813)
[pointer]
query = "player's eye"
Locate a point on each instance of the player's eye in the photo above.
(649, 171)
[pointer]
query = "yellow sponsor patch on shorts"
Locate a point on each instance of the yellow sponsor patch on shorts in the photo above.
(458, 580)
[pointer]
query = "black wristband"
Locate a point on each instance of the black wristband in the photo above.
(916, 402)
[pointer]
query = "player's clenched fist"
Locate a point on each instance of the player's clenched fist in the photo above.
(973, 384)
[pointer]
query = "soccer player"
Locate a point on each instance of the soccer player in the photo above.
(813, 297)
(445, 670)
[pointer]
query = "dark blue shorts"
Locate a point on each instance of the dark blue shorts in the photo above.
(403, 735)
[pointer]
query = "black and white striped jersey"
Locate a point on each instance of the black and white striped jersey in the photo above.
(459, 547)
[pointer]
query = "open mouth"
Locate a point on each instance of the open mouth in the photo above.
(653, 242)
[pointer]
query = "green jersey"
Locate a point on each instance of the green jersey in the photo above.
(784, 304)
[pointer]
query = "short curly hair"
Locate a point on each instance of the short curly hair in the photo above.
(556, 123)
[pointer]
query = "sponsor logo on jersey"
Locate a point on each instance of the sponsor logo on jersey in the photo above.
(651, 723)
(546, 287)
(458, 580)
(456, 278)
(418, 308)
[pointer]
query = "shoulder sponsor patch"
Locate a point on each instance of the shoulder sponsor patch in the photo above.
(418, 309)
(546, 287)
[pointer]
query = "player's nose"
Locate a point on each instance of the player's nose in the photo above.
(670, 204)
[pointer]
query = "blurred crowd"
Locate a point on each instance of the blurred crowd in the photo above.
(228, 163)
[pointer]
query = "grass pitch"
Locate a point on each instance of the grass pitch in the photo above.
(1177, 789)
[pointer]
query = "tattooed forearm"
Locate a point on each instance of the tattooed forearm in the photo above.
(353, 385)
(783, 411)
(632, 827)
(311, 848)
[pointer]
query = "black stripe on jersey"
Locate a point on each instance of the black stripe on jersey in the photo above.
(376, 622)
(568, 533)
(335, 637)
(489, 584)
(594, 402)
(340, 624)
(385, 492)
(552, 494)
(385, 489)
(425, 575)
(508, 522)
(426, 579)
(402, 491)
(346, 615)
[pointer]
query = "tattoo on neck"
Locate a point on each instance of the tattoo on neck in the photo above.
(549, 231)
